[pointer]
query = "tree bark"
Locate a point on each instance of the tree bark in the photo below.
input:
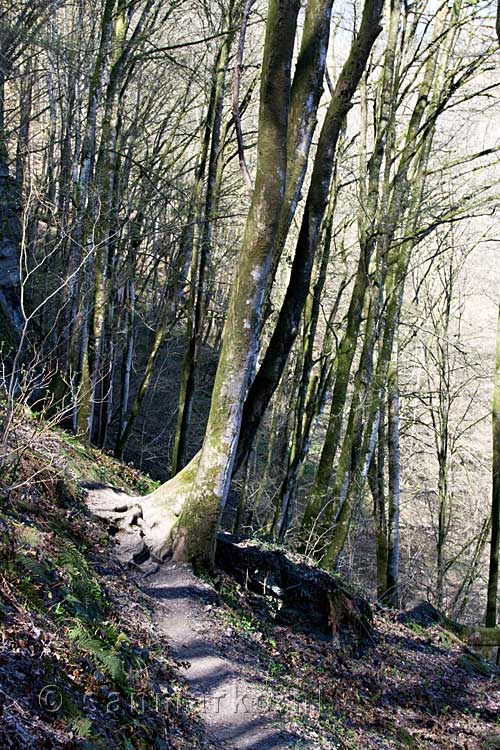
(371, 198)
(491, 607)
(204, 215)
(11, 314)
(10, 239)
(391, 595)
(182, 516)
(287, 326)
(376, 480)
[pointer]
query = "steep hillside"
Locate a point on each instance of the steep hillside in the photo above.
(81, 665)
(95, 656)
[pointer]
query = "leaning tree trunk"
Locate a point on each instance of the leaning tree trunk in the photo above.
(182, 516)
(195, 533)
(287, 325)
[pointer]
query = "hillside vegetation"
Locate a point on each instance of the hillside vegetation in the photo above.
(80, 663)
(83, 666)
(249, 374)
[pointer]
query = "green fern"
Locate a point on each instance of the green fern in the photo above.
(29, 595)
(86, 598)
(32, 566)
(73, 560)
(27, 536)
(82, 727)
(104, 655)
(29, 578)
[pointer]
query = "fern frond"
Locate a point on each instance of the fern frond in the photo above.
(104, 655)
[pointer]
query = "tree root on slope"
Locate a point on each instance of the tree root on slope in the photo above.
(149, 526)
(140, 530)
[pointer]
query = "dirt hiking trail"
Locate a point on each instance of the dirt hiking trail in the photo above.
(233, 699)
(229, 687)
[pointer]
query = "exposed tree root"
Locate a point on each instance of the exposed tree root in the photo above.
(149, 526)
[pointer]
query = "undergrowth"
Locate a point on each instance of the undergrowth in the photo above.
(80, 663)
(413, 687)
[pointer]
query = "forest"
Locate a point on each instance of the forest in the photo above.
(250, 328)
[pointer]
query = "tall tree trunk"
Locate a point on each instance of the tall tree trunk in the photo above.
(200, 489)
(80, 365)
(491, 607)
(371, 198)
(19, 25)
(405, 197)
(394, 498)
(307, 89)
(204, 210)
(128, 351)
(376, 480)
(287, 326)
(11, 315)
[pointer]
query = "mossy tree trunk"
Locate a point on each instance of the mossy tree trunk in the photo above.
(376, 480)
(103, 212)
(307, 89)
(195, 532)
(370, 198)
(391, 595)
(78, 369)
(287, 325)
(399, 209)
(205, 207)
(182, 516)
(314, 378)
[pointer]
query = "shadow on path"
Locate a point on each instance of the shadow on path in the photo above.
(239, 711)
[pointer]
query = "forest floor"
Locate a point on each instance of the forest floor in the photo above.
(96, 656)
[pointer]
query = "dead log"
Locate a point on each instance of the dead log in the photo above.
(310, 599)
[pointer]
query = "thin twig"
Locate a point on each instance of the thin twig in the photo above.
(236, 95)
